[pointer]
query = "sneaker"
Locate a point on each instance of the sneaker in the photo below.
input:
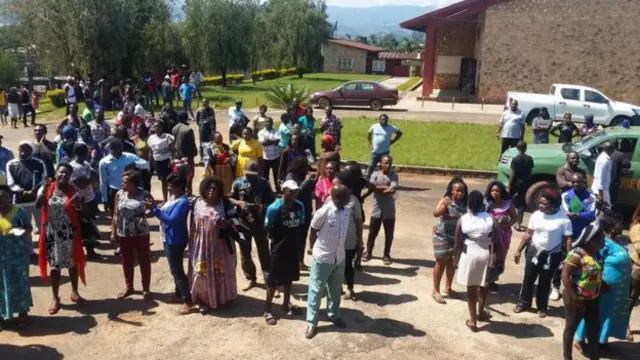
(555, 295)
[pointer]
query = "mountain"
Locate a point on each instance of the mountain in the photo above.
(373, 20)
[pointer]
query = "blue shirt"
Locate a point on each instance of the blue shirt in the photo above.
(173, 217)
(381, 138)
(186, 90)
(583, 205)
(5, 156)
(285, 135)
(111, 170)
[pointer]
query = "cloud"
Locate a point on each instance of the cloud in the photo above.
(371, 3)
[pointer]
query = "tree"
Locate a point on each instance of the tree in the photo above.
(9, 73)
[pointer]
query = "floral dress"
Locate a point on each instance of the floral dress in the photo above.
(59, 234)
(444, 232)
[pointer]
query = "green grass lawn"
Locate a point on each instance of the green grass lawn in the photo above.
(447, 145)
(409, 83)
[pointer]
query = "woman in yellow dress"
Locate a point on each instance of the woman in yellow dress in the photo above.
(248, 149)
(220, 161)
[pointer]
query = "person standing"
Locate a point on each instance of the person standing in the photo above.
(100, 129)
(237, 115)
(582, 280)
(564, 174)
(589, 127)
(196, 79)
(519, 181)
(25, 176)
(383, 208)
(504, 215)
(248, 149)
(331, 125)
(548, 233)
(620, 166)
(175, 84)
(329, 153)
(25, 104)
(161, 146)
(298, 171)
(480, 235)
(185, 145)
(13, 106)
(322, 190)
(104, 92)
(285, 129)
(212, 257)
(284, 223)
(15, 255)
(130, 231)
(167, 92)
(60, 244)
(634, 253)
(253, 194)
(82, 177)
(43, 148)
(380, 138)
(566, 130)
(308, 131)
(206, 121)
(110, 170)
(187, 90)
(511, 127)
(3, 106)
(269, 138)
(70, 96)
(221, 162)
(6, 155)
(602, 173)
(259, 121)
(293, 150)
(329, 228)
(541, 126)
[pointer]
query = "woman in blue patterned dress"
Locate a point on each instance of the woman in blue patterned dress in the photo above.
(450, 208)
(15, 252)
(616, 273)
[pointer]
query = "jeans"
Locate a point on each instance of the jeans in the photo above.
(591, 315)
(375, 159)
(142, 246)
(274, 167)
(507, 144)
(349, 271)
(537, 271)
(175, 254)
(324, 278)
(374, 229)
(257, 233)
(558, 274)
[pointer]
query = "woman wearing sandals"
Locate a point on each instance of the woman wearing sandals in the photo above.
(284, 223)
(476, 256)
(504, 214)
(548, 233)
(15, 253)
(130, 230)
(60, 239)
(450, 208)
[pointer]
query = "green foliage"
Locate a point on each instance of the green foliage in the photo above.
(407, 85)
(9, 74)
(56, 97)
(270, 74)
(219, 81)
(283, 97)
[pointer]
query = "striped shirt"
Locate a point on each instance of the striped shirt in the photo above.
(332, 225)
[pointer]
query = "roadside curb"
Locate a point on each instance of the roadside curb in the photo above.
(437, 171)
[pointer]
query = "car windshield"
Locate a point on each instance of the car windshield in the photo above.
(585, 143)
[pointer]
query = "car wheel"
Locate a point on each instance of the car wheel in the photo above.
(375, 104)
(618, 120)
(324, 103)
(531, 196)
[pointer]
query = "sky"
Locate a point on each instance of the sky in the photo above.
(371, 3)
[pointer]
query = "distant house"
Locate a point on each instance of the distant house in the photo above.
(347, 56)
(488, 47)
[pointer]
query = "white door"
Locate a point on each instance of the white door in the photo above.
(597, 105)
(569, 101)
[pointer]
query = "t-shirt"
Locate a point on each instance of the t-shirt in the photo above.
(81, 177)
(285, 135)
(186, 90)
(549, 230)
(131, 219)
(522, 165)
(381, 137)
(3, 99)
(384, 205)
(512, 123)
(566, 131)
(587, 273)
(541, 136)
(160, 145)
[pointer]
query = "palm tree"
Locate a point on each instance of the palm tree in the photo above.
(283, 97)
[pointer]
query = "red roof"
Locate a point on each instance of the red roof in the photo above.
(355, 44)
(399, 55)
(459, 10)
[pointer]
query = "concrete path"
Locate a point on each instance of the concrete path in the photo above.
(394, 82)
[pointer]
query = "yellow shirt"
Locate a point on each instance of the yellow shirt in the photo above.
(3, 99)
(247, 151)
(634, 248)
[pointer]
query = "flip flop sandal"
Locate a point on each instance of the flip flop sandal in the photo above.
(471, 327)
(79, 300)
(125, 294)
(294, 310)
(452, 294)
(438, 298)
(270, 319)
(55, 308)
(519, 309)
(186, 310)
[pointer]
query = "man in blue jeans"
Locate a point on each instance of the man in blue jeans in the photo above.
(380, 140)
(187, 90)
(327, 238)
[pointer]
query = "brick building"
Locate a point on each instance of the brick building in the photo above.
(489, 47)
(346, 56)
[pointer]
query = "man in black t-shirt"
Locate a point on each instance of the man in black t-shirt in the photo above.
(519, 181)
(206, 120)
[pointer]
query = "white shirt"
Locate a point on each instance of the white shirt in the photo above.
(160, 146)
(332, 225)
(602, 173)
(139, 110)
(235, 115)
(549, 230)
(511, 123)
(269, 152)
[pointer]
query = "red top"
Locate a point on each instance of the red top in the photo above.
(175, 79)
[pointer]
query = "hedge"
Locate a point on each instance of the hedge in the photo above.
(56, 97)
(217, 80)
(269, 74)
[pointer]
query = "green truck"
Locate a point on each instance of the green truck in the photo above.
(549, 157)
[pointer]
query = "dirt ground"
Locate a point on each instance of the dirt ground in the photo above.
(394, 317)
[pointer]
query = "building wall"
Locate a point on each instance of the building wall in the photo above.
(333, 51)
(530, 44)
(453, 42)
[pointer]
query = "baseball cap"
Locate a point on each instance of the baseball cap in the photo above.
(251, 168)
(291, 185)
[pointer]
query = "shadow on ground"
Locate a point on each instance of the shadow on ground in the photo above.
(129, 311)
(517, 330)
(28, 352)
(55, 325)
(382, 299)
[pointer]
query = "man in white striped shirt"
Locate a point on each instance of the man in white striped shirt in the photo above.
(327, 238)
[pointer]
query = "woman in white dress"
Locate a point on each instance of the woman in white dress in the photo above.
(476, 255)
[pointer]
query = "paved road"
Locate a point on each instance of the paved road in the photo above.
(394, 82)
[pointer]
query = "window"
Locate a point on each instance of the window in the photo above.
(594, 97)
(350, 86)
(378, 65)
(366, 87)
(345, 63)
(570, 94)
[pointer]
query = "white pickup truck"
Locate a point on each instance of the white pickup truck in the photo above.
(578, 100)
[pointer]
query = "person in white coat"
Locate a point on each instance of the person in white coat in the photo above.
(602, 173)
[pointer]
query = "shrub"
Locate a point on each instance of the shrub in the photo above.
(217, 80)
(56, 97)
(269, 74)
(283, 97)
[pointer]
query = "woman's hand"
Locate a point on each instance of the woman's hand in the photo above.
(149, 202)
(517, 256)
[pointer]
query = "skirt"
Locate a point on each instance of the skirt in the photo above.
(473, 265)
(14, 111)
(285, 264)
(162, 168)
(443, 239)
